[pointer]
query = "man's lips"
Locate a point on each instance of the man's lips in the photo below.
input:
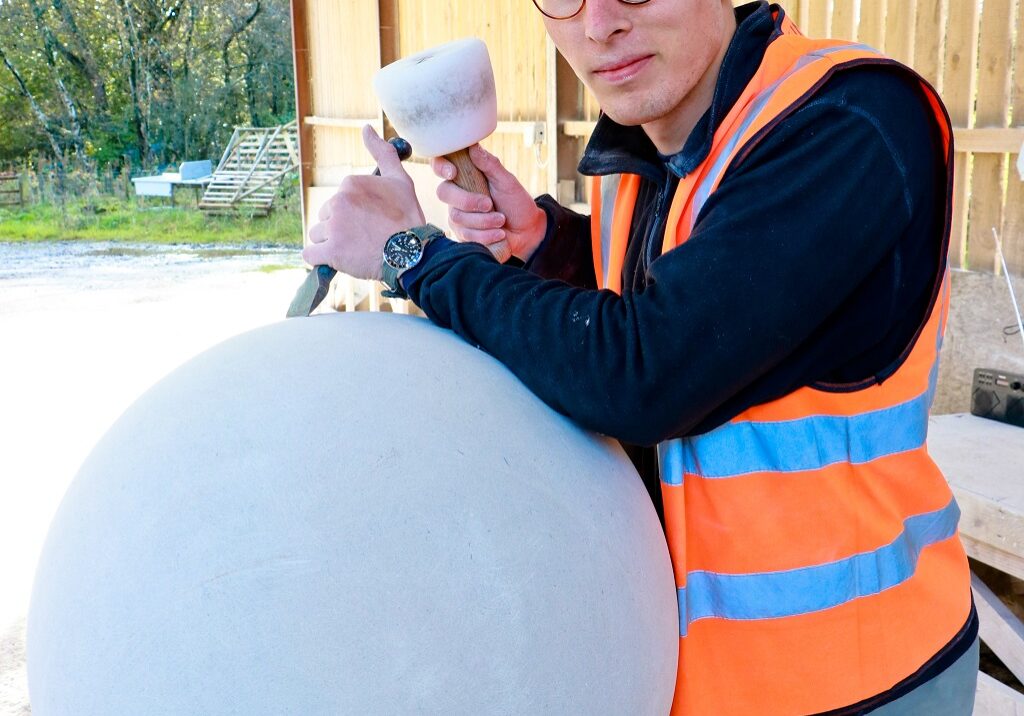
(619, 70)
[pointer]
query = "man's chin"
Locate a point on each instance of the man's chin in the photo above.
(630, 110)
(627, 117)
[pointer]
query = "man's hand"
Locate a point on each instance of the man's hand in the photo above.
(356, 222)
(510, 212)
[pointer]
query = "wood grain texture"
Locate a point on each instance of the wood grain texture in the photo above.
(958, 87)
(819, 18)
(967, 53)
(871, 30)
(1013, 216)
(997, 699)
(929, 33)
(844, 20)
(1000, 629)
(991, 110)
(899, 30)
(303, 103)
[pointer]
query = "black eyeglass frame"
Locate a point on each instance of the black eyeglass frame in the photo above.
(583, 3)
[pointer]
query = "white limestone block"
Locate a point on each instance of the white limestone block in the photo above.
(351, 514)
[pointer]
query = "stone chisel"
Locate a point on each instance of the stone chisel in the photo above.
(314, 289)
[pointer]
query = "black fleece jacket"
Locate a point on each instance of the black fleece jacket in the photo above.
(813, 263)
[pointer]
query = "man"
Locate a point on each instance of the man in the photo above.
(760, 293)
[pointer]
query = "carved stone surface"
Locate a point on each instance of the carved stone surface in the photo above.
(352, 513)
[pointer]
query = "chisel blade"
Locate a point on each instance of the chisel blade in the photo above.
(312, 291)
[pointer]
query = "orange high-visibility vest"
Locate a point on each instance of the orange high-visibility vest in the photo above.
(814, 541)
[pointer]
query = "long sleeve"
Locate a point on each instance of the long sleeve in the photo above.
(789, 240)
(565, 252)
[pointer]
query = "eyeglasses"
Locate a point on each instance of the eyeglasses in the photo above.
(564, 9)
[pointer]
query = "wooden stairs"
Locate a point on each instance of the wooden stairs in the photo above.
(250, 172)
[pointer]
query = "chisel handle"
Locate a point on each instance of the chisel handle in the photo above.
(314, 289)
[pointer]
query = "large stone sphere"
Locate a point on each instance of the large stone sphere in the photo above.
(355, 514)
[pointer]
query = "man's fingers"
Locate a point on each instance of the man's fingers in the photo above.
(457, 197)
(474, 220)
(383, 153)
(317, 233)
(487, 237)
(315, 254)
(443, 168)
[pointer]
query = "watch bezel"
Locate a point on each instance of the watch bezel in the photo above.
(392, 240)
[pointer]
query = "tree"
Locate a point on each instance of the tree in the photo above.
(157, 80)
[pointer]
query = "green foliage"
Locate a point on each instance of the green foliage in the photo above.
(159, 81)
(113, 220)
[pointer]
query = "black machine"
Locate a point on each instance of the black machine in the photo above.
(998, 395)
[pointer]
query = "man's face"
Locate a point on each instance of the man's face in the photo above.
(642, 61)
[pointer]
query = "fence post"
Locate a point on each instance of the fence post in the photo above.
(41, 180)
(126, 177)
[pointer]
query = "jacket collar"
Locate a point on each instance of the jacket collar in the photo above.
(614, 148)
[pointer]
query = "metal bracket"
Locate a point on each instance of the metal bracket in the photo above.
(535, 134)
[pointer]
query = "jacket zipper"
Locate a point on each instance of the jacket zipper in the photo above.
(657, 224)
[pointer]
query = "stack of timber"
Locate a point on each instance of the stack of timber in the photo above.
(10, 190)
(250, 172)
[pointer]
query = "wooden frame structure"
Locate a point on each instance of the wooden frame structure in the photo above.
(251, 170)
(12, 190)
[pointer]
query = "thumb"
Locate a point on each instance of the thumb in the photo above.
(497, 175)
(383, 153)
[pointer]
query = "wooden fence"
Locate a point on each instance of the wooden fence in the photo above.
(965, 48)
(12, 189)
(51, 182)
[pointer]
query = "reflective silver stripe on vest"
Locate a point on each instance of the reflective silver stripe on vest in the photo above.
(609, 192)
(703, 191)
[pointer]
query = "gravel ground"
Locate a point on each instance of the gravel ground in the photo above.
(13, 684)
(87, 328)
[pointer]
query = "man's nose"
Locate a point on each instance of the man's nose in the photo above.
(604, 19)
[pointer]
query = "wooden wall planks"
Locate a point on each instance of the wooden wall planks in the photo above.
(963, 47)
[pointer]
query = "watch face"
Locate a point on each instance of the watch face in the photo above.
(403, 250)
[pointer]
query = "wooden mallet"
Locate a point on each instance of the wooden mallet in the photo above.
(443, 101)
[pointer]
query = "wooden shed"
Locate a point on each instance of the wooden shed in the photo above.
(965, 48)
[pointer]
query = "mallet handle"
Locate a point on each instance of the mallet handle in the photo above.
(470, 178)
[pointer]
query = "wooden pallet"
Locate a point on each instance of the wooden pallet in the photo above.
(251, 171)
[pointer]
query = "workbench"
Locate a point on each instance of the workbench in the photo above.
(983, 460)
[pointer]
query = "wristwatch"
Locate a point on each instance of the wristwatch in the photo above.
(401, 252)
